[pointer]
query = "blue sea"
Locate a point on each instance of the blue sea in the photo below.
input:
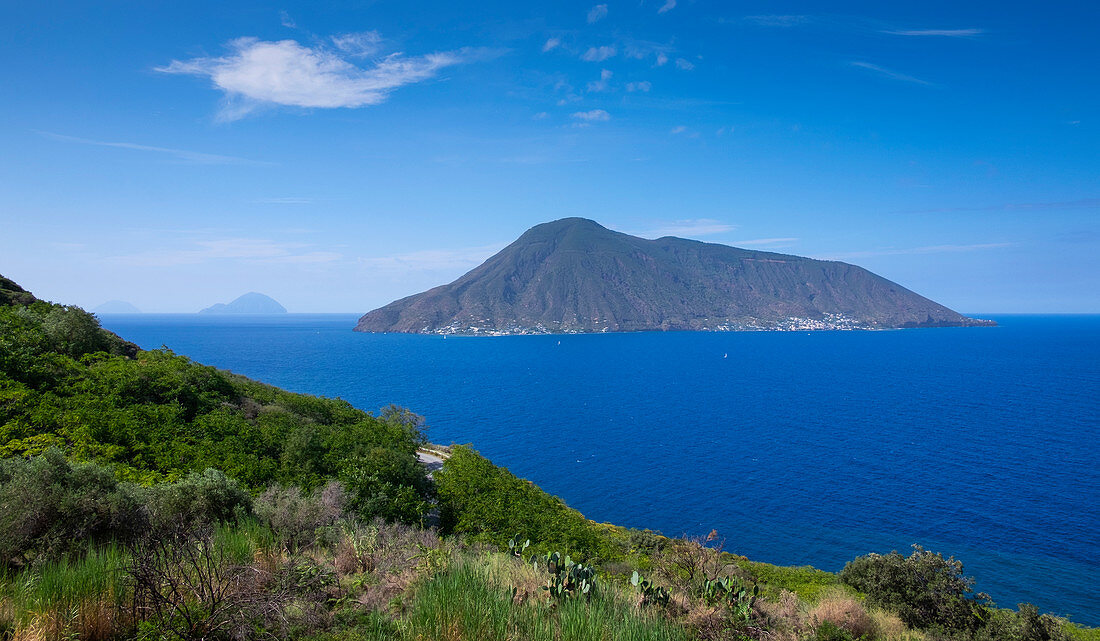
(799, 448)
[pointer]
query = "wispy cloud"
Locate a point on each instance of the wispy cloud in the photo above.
(851, 24)
(641, 85)
(947, 33)
(688, 227)
(598, 54)
(763, 241)
(551, 44)
(595, 115)
(194, 157)
(257, 250)
(287, 21)
(678, 129)
(601, 84)
(256, 73)
(888, 73)
(463, 258)
(929, 249)
(776, 20)
(597, 13)
(662, 58)
(669, 5)
(683, 63)
(359, 44)
(1084, 203)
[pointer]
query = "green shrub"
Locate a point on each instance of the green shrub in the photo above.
(829, 631)
(52, 507)
(200, 498)
(387, 483)
(1025, 624)
(926, 590)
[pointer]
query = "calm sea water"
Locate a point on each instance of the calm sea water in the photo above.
(799, 448)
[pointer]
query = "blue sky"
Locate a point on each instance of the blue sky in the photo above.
(339, 155)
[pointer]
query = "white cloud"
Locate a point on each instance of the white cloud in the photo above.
(678, 129)
(948, 33)
(194, 157)
(597, 13)
(661, 59)
(601, 84)
(689, 227)
(595, 115)
(882, 71)
(551, 43)
(258, 72)
(542, 115)
(257, 250)
(669, 5)
(681, 63)
(287, 21)
(641, 85)
(359, 44)
(598, 54)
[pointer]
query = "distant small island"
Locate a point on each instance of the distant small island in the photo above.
(117, 307)
(250, 303)
(575, 276)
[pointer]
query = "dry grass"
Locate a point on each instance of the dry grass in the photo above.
(846, 612)
(891, 628)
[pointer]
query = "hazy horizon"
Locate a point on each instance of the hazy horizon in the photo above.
(337, 158)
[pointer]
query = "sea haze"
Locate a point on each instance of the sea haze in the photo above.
(799, 448)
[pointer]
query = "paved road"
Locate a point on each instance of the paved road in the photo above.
(431, 461)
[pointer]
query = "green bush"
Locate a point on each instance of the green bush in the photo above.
(200, 498)
(52, 507)
(829, 631)
(925, 589)
(388, 484)
(1025, 624)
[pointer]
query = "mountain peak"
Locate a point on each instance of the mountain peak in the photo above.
(250, 303)
(575, 275)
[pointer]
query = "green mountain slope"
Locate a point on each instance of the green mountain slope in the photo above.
(573, 275)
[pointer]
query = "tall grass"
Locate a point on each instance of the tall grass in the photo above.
(238, 543)
(464, 604)
(66, 598)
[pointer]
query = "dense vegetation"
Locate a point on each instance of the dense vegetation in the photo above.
(155, 416)
(146, 496)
